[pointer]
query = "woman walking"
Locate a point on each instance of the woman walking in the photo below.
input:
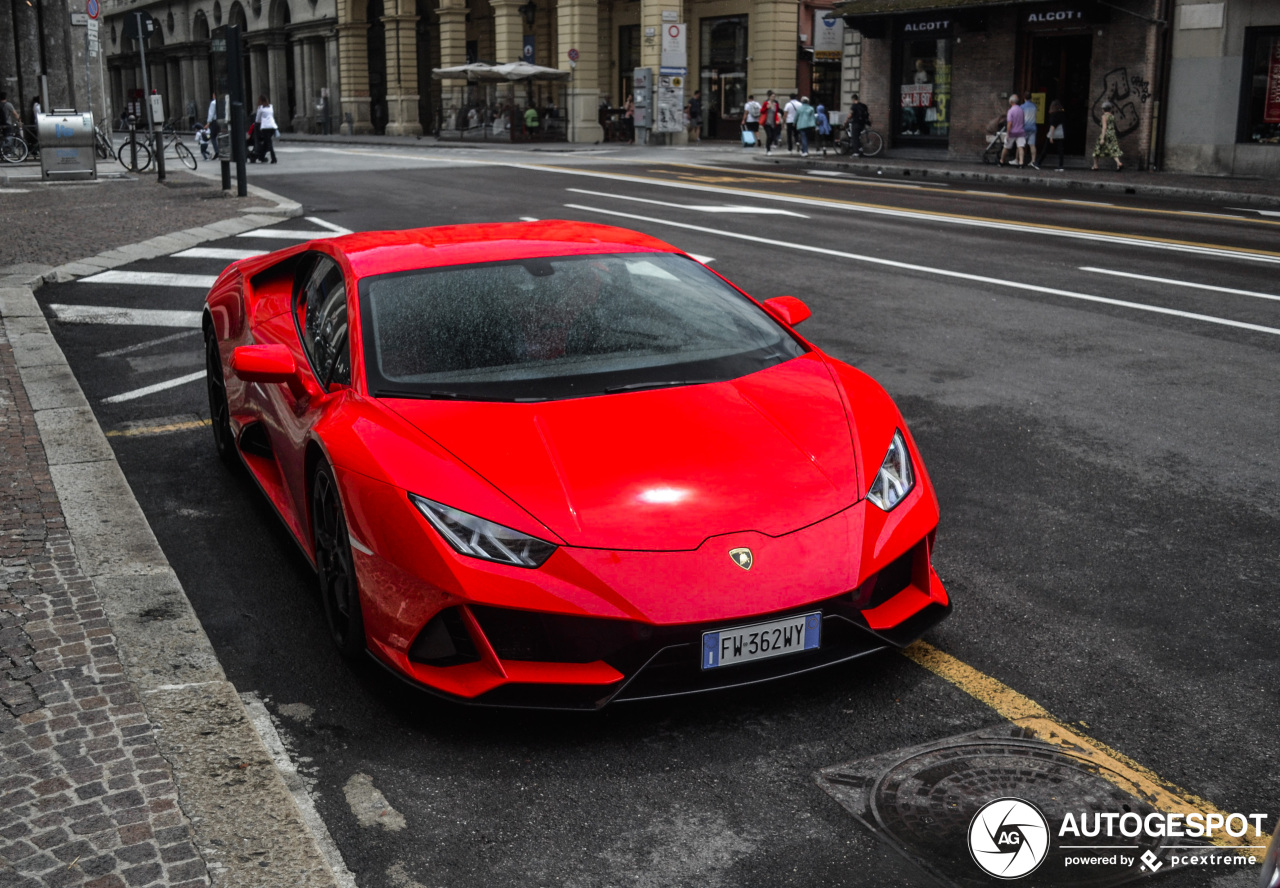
(1108, 143)
(1056, 123)
(264, 122)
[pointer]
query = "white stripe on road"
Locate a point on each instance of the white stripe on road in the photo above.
(920, 215)
(1259, 212)
(1085, 203)
(142, 317)
(1174, 283)
(337, 229)
(151, 279)
(750, 211)
(287, 234)
(116, 352)
(924, 269)
(705, 260)
(218, 253)
(152, 389)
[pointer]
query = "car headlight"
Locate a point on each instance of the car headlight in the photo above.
(470, 535)
(895, 478)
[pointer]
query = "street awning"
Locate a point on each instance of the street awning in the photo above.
(892, 7)
(481, 72)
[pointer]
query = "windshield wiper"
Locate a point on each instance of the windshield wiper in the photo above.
(669, 383)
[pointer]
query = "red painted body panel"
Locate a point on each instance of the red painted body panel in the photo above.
(644, 493)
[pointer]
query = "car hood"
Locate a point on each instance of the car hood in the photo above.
(662, 469)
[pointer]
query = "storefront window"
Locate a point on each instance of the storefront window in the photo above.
(924, 54)
(723, 77)
(1260, 116)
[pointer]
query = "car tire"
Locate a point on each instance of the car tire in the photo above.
(335, 568)
(219, 413)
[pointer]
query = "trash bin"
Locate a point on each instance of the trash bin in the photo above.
(66, 146)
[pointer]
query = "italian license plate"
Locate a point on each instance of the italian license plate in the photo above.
(776, 638)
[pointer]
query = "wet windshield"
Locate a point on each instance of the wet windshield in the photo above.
(561, 327)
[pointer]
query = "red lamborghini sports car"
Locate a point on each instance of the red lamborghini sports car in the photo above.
(556, 464)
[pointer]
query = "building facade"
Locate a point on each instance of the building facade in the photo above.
(937, 76)
(1224, 89)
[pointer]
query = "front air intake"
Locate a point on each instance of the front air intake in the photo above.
(444, 641)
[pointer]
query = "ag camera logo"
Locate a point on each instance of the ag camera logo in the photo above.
(1008, 838)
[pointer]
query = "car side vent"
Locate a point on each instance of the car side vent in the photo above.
(254, 440)
(444, 641)
(886, 584)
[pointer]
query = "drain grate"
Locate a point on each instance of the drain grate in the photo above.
(921, 801)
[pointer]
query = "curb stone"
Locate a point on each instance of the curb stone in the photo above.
(246, 823)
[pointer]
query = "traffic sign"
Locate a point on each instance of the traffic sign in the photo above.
(135, 19)
(573, 55)
(93, 8)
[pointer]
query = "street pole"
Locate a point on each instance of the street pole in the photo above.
(157, 144)
(235, 81)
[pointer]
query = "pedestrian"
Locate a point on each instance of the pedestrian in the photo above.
(211, 121)
(1029, 114)
(806, 122)
(751, 118)
(8, 114)
(859, 119)
(191, 113)
(629, 118)
(771, 119)
(695, 116)
(202, 139)
(1108, 142)
(265, 122)
(824, 129)
(789, 112)
(1015, 133)
(1056, 121)
(531, 122)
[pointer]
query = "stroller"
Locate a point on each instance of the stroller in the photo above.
(995, 145)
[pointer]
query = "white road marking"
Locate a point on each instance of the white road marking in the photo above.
(287, 234)
(705, 260)
(1259, 212)
(218, 253)
(152, 389)
(336, 229)
(297, 787)
(141, 317)
(528, 218)
(744, 210)
(985, 193)
(1002, 225)
(1175, 283)
(924, 269)
(831, 173)
(116, 352)
(1085, 203)
(15, 190)
(151, 279)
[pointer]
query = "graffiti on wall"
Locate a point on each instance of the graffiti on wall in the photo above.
(1121, 90)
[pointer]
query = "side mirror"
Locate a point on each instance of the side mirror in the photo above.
(267, 363)
(790, 309)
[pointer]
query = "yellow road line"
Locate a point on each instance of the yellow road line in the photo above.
(1113, 766)
(1023, 197)
(159, 429)
(906, 211)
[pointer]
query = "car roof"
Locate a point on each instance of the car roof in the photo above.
(384, 252)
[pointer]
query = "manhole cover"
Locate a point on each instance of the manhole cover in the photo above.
(922, 801)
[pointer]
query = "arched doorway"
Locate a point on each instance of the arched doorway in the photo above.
(377, 54)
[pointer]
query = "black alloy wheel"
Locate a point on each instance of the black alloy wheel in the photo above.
(219, 414)
(334, 566)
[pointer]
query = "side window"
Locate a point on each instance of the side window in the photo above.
(322, 322)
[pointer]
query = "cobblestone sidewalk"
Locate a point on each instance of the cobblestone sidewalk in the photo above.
(85, 796)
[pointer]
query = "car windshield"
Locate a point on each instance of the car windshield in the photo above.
(561, 327)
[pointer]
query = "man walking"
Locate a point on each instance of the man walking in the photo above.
(1029, 114)
(1015, 132)
(859, 119)
(211, 121)
(789, 111)
(695, 116)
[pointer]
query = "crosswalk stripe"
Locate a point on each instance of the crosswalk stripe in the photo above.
(289, 234)
(144, 317)
(151, 279)
(152, 389)
(218, 253)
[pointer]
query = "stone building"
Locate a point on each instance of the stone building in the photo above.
(44, 55)
(372, 59)
(1224, 88)
(936, 74)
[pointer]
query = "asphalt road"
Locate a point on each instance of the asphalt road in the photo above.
(1092, 386)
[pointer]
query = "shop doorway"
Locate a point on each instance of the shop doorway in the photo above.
(723, 79)
(1056, 66)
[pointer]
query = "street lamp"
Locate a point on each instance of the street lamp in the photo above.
(528, 12)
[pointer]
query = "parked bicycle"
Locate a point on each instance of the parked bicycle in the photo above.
(102, 141)
(13, 148)
(146, 149)
(872, 143)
